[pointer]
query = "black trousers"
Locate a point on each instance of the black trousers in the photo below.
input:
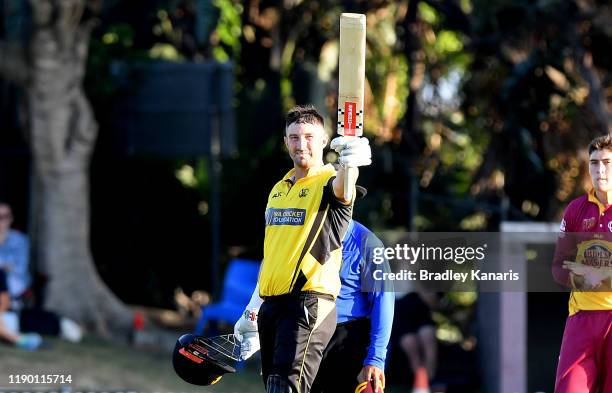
(343, 358)
(293, 332)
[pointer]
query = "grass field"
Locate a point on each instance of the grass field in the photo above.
(97, 365)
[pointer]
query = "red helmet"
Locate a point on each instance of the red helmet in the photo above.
(203, 361)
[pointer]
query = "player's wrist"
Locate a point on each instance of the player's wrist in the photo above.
(373, 363)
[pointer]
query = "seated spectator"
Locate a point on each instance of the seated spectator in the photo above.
(14, 255)
(9, 323)
(14, 265)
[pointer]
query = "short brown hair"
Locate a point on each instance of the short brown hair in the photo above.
(301, 114)
(603, 142)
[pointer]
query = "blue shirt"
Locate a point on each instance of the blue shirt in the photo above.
(14, 257)
(354, 302)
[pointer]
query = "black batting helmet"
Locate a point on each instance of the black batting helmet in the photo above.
(203, 361)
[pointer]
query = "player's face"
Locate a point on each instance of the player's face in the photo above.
(305, 143)
(600, 169)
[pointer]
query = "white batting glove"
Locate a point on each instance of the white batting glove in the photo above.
(353, 151)
(245, 329)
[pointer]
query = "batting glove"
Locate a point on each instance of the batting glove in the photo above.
(245, 329)
(353, 151)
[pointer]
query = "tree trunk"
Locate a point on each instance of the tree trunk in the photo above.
(62, 137)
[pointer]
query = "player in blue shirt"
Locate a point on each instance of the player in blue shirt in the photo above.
(358, 348)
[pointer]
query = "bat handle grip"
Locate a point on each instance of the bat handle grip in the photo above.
(350, 176)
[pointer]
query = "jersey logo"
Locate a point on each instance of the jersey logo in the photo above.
(304, 192)
(277, 195)
(287, 216)
(588, 223)
(597, 256)
(610, 226)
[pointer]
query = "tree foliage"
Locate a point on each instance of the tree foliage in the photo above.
(535, 84)
(483, 104)
(478, 110)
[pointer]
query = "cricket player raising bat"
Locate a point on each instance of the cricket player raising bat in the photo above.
(307, 215)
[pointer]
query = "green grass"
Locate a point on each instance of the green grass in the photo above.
(99, 365)
(95, 364)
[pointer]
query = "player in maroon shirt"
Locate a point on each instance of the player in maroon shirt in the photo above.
(583, 261)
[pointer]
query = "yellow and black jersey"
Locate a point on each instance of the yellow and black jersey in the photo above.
(305, 224)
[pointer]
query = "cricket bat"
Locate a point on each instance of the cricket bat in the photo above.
(351, 84)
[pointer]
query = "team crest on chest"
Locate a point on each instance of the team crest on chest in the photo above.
(597, 255)
(304, 192)
(588, 223)
(610, 226)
